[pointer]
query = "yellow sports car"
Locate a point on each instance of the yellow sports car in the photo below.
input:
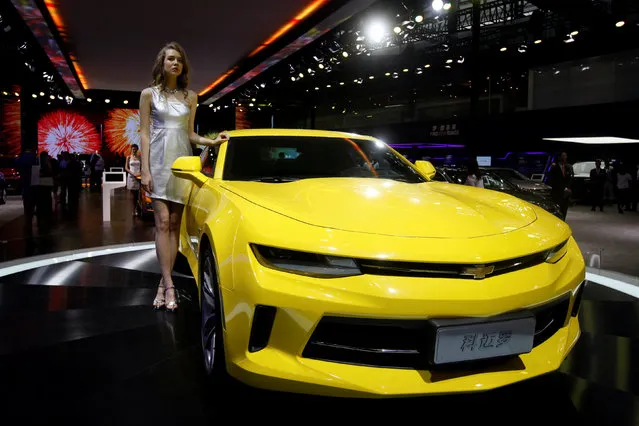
(328, 264)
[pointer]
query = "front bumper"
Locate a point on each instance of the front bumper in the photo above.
(281, 351)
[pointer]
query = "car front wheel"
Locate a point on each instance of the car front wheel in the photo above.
(211, 327)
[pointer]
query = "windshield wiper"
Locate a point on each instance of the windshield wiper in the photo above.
(275, 179)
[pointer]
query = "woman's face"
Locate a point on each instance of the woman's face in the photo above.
(173, 63)
(134, 150)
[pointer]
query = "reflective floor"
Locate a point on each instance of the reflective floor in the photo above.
(79, 341)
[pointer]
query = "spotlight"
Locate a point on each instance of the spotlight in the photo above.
(620, 24)
(503, 49)
(406, 70)
(538, 41)
(388, 74)
(106, 101)
(321, 66)
(126, 102)
(376, 31)
(89, 100)
(447, 6)
(34, 96)
(427, 66)
(419, 18)
(574, 33)
(397, 30)
(345, 54)
(51, 97)
(437, 5)
(41, 93)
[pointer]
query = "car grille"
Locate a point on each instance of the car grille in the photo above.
(449, 270)
(403, 343)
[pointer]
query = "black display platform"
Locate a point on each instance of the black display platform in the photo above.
(79, 341)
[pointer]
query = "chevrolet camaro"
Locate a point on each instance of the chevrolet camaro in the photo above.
(328, 264)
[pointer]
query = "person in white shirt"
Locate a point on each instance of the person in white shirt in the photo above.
(474, 177)
(623, 189)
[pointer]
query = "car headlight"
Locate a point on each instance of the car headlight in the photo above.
(302, 263)
(557, 253)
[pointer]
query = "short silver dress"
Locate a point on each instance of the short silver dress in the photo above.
(169, 141)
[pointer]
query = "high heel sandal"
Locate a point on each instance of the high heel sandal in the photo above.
(173, 305)
(159, 303)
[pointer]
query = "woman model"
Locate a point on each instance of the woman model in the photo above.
(133, 167)
(167, 120)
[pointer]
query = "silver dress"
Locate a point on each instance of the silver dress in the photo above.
(169, 141)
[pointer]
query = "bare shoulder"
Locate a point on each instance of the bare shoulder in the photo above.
(192, 96)
(146, 93)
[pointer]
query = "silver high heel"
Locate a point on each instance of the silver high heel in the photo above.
(172, 306)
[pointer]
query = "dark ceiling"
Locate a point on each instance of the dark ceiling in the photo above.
(116, 41)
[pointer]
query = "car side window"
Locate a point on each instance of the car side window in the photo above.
(209, 160)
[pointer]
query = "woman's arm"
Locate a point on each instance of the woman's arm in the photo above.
(194, 137)
(126, 165)
(145, 139)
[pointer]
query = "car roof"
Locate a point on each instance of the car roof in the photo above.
(297, 132)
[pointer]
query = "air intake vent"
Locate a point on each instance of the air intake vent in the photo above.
(261, 328)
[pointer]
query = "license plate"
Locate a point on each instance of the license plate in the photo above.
(483, 340)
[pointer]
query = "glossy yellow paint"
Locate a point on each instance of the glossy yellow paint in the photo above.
(366, 218)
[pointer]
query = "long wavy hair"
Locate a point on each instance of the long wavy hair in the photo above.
(159, 79)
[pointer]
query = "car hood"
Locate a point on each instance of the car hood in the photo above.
(385, 207)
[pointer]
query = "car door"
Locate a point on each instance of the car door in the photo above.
(201, 200)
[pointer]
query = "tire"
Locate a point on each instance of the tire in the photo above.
(211, 332)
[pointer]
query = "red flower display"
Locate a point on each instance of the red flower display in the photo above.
(122, 129)
(61, 131)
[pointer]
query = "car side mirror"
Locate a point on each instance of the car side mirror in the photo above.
(189, 168)
(426, 168)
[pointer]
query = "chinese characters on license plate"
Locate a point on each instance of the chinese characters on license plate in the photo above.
(455, 343)
(483, 341)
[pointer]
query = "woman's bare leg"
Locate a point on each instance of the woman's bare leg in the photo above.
(161, 213)
(175, 221)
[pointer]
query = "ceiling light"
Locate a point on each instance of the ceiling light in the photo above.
(341, 83)
(372, 77)
(419, 18)
(406, 70)
(41, 93)
(107, 101)
(503, 49)
(437, 5)
(376, 31)
(89, 100)
(604, 140)
(449, 61)
(321, 66)
(620, 24)
(447, 6)
(126, 102)
(293, 78)
(397, 30)
(538, 41)
(51, 97)
(427, 66)
(345, 54)
(574, 33)
(34, 96)
(387, 74)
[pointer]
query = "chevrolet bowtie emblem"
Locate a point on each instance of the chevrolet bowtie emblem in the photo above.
(478, 272)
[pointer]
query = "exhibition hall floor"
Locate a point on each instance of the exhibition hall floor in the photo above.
(79, 341)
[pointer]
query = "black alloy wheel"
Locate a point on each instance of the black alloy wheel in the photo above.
(211, 327)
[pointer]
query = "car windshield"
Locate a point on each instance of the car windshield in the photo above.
(497, 183)
(509, 174)
(279, 159)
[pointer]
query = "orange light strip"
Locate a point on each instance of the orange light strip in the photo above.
(62, 29)
(284, 29)
(316, 4)
(218, 81)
